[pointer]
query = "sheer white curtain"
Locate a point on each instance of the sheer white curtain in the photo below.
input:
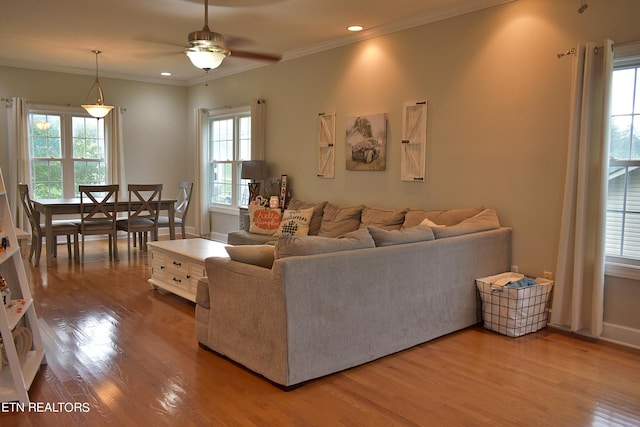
(203, 225)
(115, 148)
(19, 170)
(578, 295)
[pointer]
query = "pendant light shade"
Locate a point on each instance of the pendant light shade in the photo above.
(97, 110)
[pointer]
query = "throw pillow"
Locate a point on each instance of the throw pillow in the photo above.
(414, 217)
(288, 245)
(382, 218)
(430, 223)
(295, 222)
(485, 220)
(316, 219)
(383, 237)
(337, 221)
(263, 220)
(260, 255)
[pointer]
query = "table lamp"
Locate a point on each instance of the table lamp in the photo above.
(254, 170)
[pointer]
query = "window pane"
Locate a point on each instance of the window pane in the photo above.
(616, 190)
(45, 136)
(222, 183)
(622, 91)
(613, 242)
(633, 189)
(88, 141)
(243, 191)
(221, 140)
(245, 138)
(620, 143)
(88, 173)
(47, 179)
(631, 247)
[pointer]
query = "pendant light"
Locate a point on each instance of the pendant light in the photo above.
(97, 110)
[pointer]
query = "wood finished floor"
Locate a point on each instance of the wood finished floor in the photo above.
(130, 355)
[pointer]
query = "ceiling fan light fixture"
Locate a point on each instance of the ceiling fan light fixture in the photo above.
(97, 110)
(206, 57)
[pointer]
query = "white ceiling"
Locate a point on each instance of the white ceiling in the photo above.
(142, 38)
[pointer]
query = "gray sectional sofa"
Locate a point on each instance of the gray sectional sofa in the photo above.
(309, 306)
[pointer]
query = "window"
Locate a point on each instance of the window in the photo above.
(229, 140)
(65, 149)
(623, 203)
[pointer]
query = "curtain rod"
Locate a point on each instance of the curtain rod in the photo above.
(574, 51)
(9, 103)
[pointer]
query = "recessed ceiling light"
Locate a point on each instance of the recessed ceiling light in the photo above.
(355, 28)
(165, 73)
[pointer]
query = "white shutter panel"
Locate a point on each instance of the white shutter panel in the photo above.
(326, 145)
(414, 141)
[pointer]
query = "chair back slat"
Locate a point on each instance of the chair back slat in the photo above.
(27, 205)
(184, 198)
(148, 196)
(98, 203)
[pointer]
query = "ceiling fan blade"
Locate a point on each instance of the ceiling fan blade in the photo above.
(255, 55)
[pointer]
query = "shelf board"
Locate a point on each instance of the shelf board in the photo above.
(16, 310)
(29, 365)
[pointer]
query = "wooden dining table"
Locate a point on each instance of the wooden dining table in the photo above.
(48, 208)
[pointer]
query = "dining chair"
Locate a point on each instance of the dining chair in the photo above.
(98, 214)
(59, 228)
(181, 207)
(143, 212)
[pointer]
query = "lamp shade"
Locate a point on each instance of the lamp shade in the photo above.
(97, 110)
(254, 169)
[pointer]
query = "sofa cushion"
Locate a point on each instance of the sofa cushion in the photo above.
(242, 237)
(337, 220)
(290, 245)
(483, 221)
(295, 222)
(316, 219)
(260, 255)
(263, 220)
(397, 237)
(382, 218)
(414, 217)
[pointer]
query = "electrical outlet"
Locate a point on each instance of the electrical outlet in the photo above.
(547, 275)
(514, 268)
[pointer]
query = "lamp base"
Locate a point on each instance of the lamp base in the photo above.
(254, 191)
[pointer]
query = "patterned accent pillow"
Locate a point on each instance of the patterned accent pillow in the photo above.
(295, 222)
(263, 220)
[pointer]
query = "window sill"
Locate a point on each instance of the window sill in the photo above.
(227, 210)
(624, 271)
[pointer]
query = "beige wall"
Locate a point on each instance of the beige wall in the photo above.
(154, 123)
(498, 109)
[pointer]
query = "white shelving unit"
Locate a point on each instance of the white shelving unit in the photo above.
(17, 375)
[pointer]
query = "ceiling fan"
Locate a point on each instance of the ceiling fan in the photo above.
(207, 49)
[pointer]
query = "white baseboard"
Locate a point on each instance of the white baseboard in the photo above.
(218, 237)
(622, 335)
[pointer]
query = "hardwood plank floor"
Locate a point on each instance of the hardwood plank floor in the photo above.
(128, 356)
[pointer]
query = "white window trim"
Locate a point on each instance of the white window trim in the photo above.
(67, 160)
(625, 54)
(221, 113)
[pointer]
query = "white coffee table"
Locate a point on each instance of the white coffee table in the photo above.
(177, 265)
